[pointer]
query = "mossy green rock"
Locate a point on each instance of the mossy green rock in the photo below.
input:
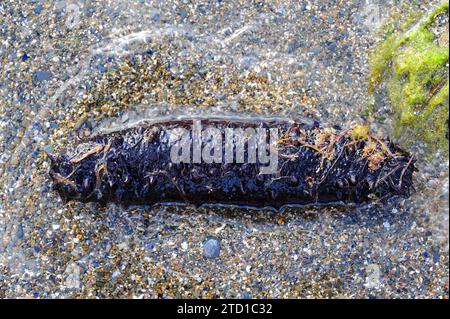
(413, 64)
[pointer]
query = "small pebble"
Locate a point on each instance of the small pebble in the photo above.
(211, 248)
(43, 75)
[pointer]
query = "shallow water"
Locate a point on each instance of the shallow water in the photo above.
(113, 64)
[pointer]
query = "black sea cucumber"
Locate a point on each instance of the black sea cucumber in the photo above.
(314, 165)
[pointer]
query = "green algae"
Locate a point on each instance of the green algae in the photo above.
(360, 132)
(415, 70)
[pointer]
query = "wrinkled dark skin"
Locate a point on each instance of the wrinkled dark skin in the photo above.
(134, 167)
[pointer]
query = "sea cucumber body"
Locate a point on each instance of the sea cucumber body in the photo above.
(134, 166)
